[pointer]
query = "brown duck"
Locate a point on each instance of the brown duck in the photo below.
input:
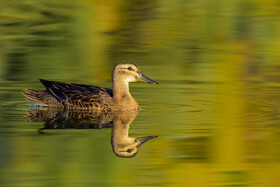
(88, 97)
(122, 143)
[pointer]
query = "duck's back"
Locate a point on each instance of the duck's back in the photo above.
(72, 96)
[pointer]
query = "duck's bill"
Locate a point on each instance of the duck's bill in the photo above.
(142, 140)
(143, 78)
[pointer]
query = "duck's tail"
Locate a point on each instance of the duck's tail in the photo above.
(41, 97)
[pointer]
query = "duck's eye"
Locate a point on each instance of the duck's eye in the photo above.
(130, 68)
(129, 150)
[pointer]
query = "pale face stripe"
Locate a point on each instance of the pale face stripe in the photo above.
(132, 75)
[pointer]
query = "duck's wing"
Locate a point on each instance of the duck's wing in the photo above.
(76, 94)
(94, 88)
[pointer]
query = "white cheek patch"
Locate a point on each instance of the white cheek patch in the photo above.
(131, 79)
(132, 76)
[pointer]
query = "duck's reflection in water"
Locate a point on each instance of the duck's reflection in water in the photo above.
(122, 144)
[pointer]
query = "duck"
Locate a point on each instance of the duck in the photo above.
(123, 145)
(72, 96)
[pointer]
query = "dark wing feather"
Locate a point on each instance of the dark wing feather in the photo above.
(55, 89)
(94, 88)
(79, 95)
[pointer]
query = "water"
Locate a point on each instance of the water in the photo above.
(215, 110)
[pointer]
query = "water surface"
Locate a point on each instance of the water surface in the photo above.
(215, 110)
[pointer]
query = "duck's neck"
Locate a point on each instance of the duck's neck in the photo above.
(121, 124)
(120, 129)
(120, 89)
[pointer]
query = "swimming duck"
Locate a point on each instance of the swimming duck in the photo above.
(123, 145)
(88, 97)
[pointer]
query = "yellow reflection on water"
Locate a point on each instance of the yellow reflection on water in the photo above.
(216, 110)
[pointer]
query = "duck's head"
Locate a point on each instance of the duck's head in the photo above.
(130, 72)
(129, 147)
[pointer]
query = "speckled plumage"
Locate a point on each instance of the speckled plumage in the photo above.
(72, 96)
(88, 97)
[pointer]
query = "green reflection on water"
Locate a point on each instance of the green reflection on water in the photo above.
(215, 110)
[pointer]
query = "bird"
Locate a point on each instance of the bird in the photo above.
(72, 96)
(123, 145)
